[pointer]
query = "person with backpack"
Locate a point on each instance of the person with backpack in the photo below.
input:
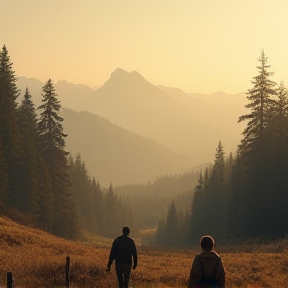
(207, 267)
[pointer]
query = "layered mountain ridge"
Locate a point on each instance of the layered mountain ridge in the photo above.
(180, 123)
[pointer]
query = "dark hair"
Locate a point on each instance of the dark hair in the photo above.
(207, 242)
(126, 230)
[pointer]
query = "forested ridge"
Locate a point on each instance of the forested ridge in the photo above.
(237, 197)
(244, 195)
(42, 185)
(149, 202)
(45, 186)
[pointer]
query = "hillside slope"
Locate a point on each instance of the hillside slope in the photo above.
(117, 155)
(132, 102)
(191, 124)
(220, 109)
(37, 259)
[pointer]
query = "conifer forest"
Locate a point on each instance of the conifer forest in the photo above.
(239, 196)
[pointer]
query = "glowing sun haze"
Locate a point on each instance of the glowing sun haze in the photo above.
(195, 45)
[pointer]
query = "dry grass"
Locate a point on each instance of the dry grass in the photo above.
(37, 259)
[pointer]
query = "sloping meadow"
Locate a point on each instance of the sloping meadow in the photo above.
(37, 259)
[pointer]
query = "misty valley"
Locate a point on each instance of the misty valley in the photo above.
(79, 162)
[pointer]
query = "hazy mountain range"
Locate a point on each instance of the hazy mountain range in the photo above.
(140, 131)
(70, 95)
(114, 154)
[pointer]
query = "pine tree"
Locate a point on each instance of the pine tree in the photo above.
(197, 211)
(88, 207)
(111, 216)
(171, 226)
(98, 206)
(281, 112)
(8, 96)
(75, 176)
(81, 188)
(261, 104)
(9, 132)
(278, 163)
(27, 122)
(278, 128)
(53, 150)
(257, 152)
(237, 206)
(216, 199)
(219, 163)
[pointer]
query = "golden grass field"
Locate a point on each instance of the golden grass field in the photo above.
(37, 259)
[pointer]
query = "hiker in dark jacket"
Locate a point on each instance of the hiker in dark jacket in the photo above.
(122, 251)
(207, 268)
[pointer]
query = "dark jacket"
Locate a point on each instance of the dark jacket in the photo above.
(207, 271)
(122, 251)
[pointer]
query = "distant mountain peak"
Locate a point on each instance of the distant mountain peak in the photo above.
(122, 77)
(119, 73)
(119, 70)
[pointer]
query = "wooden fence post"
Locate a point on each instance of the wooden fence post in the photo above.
(67, 272)
(9, 280)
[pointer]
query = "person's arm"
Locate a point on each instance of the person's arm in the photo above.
(195, 274)
(220, 275)
(112, 255)
(134, 255)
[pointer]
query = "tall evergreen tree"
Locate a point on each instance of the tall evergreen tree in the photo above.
(98, 203)
(27, 122)
(53, 149)
(197, 211)
(279, 161)
(172, 226)
(237, 206)
(256, 150)
(261, 104)
(281, 111)
(168, 231)
(88, 207)
(209, 212)
(79, 182)
(111, 216)
(216, 197)
(9, 132)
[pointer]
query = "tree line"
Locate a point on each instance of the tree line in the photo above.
(244, 195)
(149, 201)
(237, 197)
(41, 183)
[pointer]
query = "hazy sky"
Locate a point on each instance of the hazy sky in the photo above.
(196, 45)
